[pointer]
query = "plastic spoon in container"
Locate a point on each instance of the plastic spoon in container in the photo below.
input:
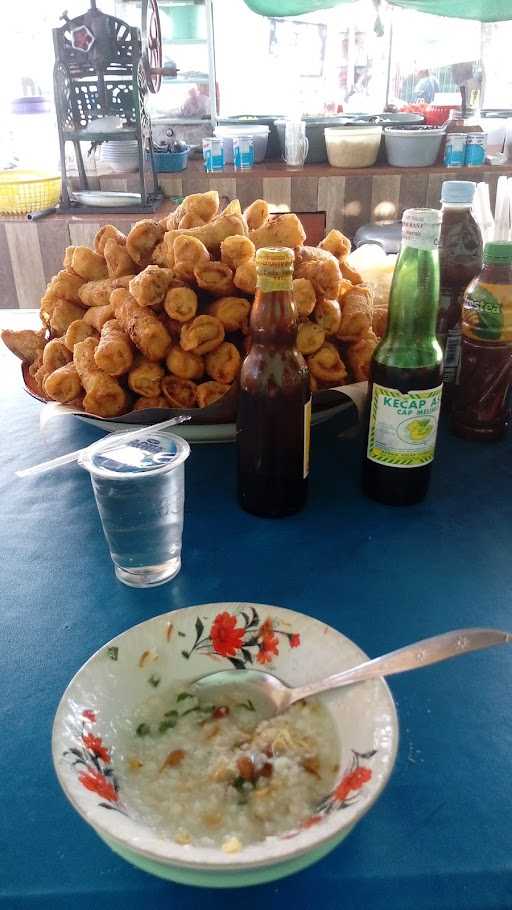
(74, 456)
(272, 696)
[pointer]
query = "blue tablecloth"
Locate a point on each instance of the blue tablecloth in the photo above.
(441, 834)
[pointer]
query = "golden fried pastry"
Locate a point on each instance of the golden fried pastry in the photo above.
(25, 343)
(213, 233)
(104, 397)
(190, 220)
(68, 257)
(146, 331)
(304, 295)
(245, 277)
(343, 288)
(108, 232)
(114, 353)
(56, 355)
(145, 378)
(360, 354)
(279, 230)
(63, 384)
(149, 287)
(119, 262)
(327, 366)
(142, 240)
(179, 393)
(64, 286)
(184, 364)
(38, 374)
(310, 337)
(181, 304)
(336, 243)
(214, 277)
(202, 205)
(188, 252)
(202, 335)
(143, 404)
(96, 293)
(235, 250)
(380, 320)
(327, 314)
(88, 264)
(63, 313)
(356, 314)
(210, 392)
(233, 312)
(97, 316)
(78, 331)
(256, 214)
(321, 268)
(122, 282)
(224, 363)
(351, 274)
(232, 208)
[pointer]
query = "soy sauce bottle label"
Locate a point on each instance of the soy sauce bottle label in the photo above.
(403, 426)
(487, 313)
(307, 436)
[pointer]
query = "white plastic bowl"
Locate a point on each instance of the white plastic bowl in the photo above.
(352, 146)
(120, 676)
(413, 148)
(258, 131)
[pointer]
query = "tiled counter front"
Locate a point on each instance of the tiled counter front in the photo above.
(31, 252)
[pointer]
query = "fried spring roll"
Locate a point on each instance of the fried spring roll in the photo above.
(141, 325)
(145, 378)
(63, 314)
(56, 354)
(63, 384)
(78, 331)
(114, 354)
(97, 316)
(104, 397)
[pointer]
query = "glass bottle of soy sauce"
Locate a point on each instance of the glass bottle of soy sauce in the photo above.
(274, 408)
(404, 395)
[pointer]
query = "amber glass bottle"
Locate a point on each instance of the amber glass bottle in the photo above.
(274, 409)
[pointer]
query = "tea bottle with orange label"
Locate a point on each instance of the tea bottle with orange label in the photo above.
(484, 377)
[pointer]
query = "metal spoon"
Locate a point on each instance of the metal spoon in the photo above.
(271, 696)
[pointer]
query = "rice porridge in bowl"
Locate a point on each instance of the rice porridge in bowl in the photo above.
(215, 775)
(211, 794)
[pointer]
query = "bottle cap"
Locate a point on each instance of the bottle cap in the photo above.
(421, 228)
(275, 257)
(458, 192)
(498, 252)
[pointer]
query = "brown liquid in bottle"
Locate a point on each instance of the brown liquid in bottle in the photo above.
(460, 259)
(480, 405)
(273, 411)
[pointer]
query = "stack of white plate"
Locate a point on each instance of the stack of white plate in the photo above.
(121, 156)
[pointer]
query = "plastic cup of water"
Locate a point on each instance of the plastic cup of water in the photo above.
(139, 488)
(213, 154)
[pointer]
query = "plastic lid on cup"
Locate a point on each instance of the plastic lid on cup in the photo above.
(158, 452)
(458, 192)
(498, 252)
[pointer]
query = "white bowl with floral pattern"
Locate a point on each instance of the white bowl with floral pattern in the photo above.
(172, 650)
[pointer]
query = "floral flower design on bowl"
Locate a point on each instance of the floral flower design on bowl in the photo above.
(171, 650)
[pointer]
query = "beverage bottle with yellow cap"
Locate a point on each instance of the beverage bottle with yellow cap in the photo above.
(274, 409)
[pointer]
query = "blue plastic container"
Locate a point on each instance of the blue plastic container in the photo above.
(170, 162)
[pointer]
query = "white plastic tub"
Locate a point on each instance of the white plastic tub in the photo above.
(413, 148)
(352, 146)
(259, 132)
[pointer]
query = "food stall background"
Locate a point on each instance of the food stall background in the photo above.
(309, 65)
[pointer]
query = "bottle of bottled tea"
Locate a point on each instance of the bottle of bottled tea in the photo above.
(484, 378)
(404, 395)
(274, 408)
(460, 259)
